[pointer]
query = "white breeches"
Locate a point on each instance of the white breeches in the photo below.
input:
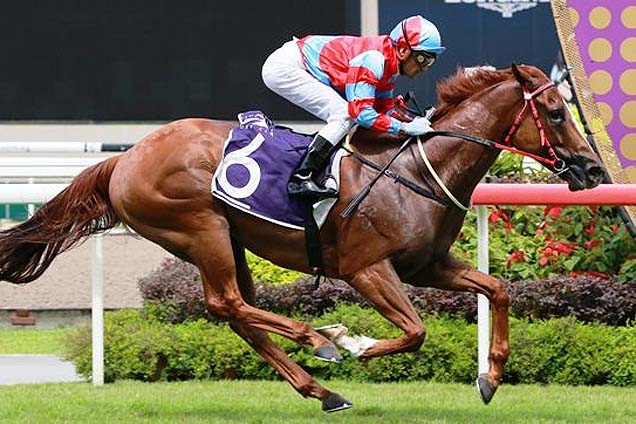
(283, 73)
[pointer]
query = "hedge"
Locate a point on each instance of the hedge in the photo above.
(173, 293)
(561, 351)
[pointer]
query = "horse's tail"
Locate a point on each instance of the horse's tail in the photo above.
(81, 209)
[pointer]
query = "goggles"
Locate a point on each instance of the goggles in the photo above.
(422, 58)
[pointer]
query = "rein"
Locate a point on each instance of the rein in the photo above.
(528, 100)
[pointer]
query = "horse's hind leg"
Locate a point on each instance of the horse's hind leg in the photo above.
(290, 370)
(211, 250)
(272, 353)
(324, 349)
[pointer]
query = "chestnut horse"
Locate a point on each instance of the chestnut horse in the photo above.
(161, 189)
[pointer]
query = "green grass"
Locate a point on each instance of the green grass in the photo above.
(275, 402)
(32, 340)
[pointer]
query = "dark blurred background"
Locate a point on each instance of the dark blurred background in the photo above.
(162, 60)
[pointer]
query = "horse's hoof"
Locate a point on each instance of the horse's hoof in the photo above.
(485, 388)
(334, 402)
(328, 353)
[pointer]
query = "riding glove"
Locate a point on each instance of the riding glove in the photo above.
(417, 126)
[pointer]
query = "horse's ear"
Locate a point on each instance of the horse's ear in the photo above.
(521, 76)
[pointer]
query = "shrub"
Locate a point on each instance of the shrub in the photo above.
(134, 347)
(266, 272)
(304, 298)
(173, 292)
(537, 242)
(588, 298)
(564, 351)
(561, 351)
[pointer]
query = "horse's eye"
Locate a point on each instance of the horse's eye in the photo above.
(557, 115)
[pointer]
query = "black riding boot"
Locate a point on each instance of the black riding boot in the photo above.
(302, 184)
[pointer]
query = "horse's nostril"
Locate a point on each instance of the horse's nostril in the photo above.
(595, 172)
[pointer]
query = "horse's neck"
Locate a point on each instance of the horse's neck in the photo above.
(462, 164)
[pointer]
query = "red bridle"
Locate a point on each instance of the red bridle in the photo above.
(528, 99)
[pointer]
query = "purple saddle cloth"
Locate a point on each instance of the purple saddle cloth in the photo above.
(258, 160)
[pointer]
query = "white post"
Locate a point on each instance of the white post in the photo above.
(483, 307)
(97, 312)
(30, 206)
(369, 17)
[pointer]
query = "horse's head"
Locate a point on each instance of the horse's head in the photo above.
(545, 127)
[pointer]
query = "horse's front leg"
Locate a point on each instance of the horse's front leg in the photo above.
(471, 280)
(380, 285)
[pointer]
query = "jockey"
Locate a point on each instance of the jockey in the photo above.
(316, 71)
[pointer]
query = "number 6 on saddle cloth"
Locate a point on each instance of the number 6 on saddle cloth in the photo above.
(258, 160)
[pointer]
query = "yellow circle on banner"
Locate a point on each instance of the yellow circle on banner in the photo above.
(600, 17)
(628, 17)
(574, 16)
(628, 146)
(628, 82)
(630, 172)
(628, 49)
(628, 114)
(600, 50)
(601, 82)
(607, 114)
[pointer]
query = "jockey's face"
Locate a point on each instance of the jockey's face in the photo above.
(408, 63)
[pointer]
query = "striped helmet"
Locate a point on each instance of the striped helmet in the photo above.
(422, 35)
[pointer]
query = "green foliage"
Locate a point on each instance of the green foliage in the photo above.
(561, 351)
(266, 272)
(537, 242)
(513, 168)
(507, 164)
(564, 351)
(627, 273)
(134, 347)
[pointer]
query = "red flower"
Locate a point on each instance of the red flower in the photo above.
(543, 260)
(589, 229)
(591, 244)
(553, 211)
(615, 228)
(498, 214)
(515, 256)
(564, 248)
(554, 249)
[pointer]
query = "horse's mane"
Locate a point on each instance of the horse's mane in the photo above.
(467, 81)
